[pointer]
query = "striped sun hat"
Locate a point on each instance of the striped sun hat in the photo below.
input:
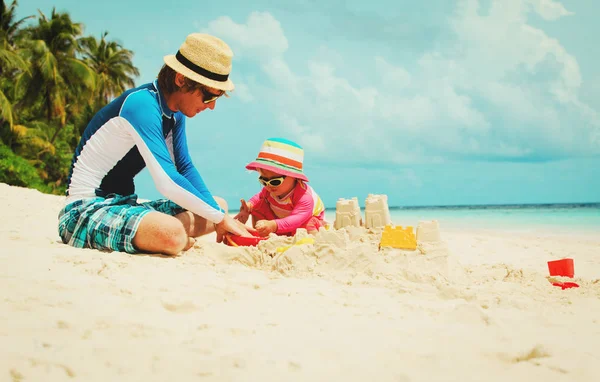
(281, 156)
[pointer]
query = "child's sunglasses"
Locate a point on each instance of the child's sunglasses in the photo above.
(273, 182)
(209, 97)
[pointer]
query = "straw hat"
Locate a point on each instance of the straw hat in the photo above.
(281, 156)
(205, 59)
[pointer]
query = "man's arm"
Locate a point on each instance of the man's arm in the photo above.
(184, 164)
(141, 118)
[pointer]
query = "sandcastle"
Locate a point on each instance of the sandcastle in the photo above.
(428, 231)
(377, 213)
(347, 213)
(427, 238)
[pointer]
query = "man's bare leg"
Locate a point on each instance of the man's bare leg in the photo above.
(162, 233)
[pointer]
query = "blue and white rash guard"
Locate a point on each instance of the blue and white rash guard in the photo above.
(136, 130)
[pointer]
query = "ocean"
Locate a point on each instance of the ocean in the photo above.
(578, 217)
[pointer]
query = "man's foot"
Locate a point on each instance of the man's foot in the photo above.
(190, 244)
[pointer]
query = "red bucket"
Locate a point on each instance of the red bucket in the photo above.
(564, 286)
(562, 267)
(242, 241)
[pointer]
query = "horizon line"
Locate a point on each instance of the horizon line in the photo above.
(581, 204)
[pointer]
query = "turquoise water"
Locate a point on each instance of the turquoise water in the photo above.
(555, 217)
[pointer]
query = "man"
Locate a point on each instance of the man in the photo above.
(143, 127)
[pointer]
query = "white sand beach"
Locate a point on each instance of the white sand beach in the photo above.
(477, 306)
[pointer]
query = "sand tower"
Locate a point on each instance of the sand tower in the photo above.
(428, 231)
(377, 213)
(347, 213)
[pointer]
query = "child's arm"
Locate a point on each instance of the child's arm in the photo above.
(302, 212)
(259, 207)
(245, 211)
(255, 200)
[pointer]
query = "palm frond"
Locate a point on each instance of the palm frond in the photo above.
(82, 72)
(6, 111)
(19, 130)
(11, 60)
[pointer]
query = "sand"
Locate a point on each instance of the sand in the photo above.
(476, 306)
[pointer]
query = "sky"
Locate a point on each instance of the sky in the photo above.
(436, 102)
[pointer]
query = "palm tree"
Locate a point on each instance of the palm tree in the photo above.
(57, 76)
(9, 55)
(9, 27)
(112, 64)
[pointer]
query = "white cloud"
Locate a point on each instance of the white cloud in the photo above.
(242, 91)
(308, 141)
(422, 111)
(260, 37)
(394, 76)
(281, 75)
(550, 10)
(543, 98)
(498, 87)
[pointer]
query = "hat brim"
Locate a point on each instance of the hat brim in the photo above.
(174, 64)
(256, 166)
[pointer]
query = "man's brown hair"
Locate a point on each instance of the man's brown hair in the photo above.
(166, 82)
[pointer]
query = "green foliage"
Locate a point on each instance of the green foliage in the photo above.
(17, 171)
(52, 82)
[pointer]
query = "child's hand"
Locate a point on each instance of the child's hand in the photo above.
(244, 213)
(265, 227)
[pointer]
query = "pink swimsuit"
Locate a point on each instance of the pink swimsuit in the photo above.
(300, 208)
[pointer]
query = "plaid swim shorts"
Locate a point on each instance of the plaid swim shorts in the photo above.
(108, 223)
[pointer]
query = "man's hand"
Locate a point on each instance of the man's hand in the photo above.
(230, 225)
(244, 213)
(265, 227)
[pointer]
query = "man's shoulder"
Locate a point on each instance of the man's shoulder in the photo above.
(143, 94)
(141, 100)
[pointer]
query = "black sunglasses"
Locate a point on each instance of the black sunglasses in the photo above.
(209, 97)
(273, 182)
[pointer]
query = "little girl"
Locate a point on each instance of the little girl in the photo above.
(285, 202)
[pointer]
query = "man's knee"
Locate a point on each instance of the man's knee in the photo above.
(160, 233)
(172, 236)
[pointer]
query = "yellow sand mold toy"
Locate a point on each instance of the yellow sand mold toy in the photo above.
(305, 240)
(398, 237)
